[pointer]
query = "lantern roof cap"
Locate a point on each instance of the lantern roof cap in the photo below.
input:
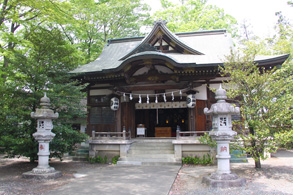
(45, 101)
(221, 93)
(44, 112)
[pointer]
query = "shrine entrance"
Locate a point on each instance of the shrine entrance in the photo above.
(162, 122)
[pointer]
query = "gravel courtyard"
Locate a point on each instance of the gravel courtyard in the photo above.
(275, 177)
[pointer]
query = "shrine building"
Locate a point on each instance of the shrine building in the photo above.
(159, 83)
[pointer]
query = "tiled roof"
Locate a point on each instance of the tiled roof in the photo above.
(206, 48)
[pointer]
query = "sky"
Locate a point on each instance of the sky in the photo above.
(260, 14)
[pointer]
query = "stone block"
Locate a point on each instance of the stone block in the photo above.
(42, 176)
(225, 180)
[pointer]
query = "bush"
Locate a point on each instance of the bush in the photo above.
(115, 159)
(206, 139)
(98, 159)
(196, 160)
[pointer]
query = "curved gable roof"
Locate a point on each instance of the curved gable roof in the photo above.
(160, 25)
(215, 44)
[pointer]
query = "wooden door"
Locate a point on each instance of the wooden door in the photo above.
(200, 117)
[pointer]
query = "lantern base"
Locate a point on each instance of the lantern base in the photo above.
(42, 174)
(225, 180)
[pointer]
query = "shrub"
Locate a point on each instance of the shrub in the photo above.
(98, 159)
(196, 160)
(115, 159)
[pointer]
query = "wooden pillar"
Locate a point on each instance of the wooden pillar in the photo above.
(88, 127)
(127, 116)
(191, 119)
(208, 117)
(118, 119)
(208, 95)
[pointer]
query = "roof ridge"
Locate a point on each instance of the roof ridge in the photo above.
(161, 25)
(179, 34)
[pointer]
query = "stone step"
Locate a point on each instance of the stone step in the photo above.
(82, 150)
(150, 152)
(149, 163)
(152, 146)
(162, 163)
(78, 158)
(154, 140)
(81, 153)
(151, 156)
(142, 159)
(155, 151)
(134, 147)
(152, 143)
(129, 162)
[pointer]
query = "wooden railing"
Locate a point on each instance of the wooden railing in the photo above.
(189, 134)
(111, 135)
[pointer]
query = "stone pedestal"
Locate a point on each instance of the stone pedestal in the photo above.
(44, 136)
(222, 133)
(224, 180)
(48, 173)
(223, 177)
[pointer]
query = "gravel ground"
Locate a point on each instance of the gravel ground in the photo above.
(275, 177)
(12, 183)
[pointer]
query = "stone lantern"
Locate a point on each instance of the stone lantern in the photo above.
(44, 136)
(222, 133)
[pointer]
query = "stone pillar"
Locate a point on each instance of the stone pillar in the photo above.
(222, 133)
(44, 136)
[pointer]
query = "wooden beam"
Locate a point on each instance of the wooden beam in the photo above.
(153, 87)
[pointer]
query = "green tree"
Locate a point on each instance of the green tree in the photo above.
(41, 64)
(41, 41)
(282, 42)
(98, 21)
(16, 15)
(193, 15)
(265, 98)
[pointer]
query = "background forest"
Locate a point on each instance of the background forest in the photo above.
(41, 41)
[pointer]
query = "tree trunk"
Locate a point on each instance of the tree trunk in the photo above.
(257, 163)
(255, 153)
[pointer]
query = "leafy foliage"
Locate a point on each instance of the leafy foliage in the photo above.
(41, 41)
(96, 21)
(197, 160)
(115, 159)
(36, 58)
(65, 140)
(98, 159)
(206, 139)
(266, 100)
(193, 15)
